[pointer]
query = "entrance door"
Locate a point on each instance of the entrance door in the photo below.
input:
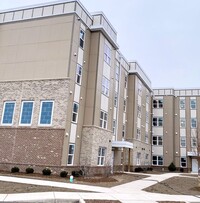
(194, 166)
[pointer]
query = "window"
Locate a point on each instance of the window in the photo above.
(157, 160)
(183, 162)
(8, 112)
(157, 103)
(117, 72)
(116, 99)
(78, 74)
(138, 136)
(146, 137)
(123, 130)
(182, 104)
(192, 103)
(75, 112)
(182, 123)
(193, 142)
(105, 86)
(157, 121)
(126, 81)
(71, 154)
(193, 123)
(46, 111)
(157, 140)
(101, 156)
(140, 88)
(107, 54)
(26, 113)
(82, 38)
(147, 117)
(103, 119)
(124, 105)
(183, 141)
(114, 127)
(147, 98)
(138, 159)
(139, 111)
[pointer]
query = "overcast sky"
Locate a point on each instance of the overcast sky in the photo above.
(163, 36)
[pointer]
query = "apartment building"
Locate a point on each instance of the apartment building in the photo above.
(69, 98)
(175, 128)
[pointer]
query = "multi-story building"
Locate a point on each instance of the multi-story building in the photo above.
(175, 128)
(67, 92)
(69, 98)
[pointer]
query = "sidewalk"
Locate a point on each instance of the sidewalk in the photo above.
(127, 193)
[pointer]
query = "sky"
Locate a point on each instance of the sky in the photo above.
(163, 36)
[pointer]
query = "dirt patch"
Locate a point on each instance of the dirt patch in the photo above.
(176, 186)
(111, 181)
(9, 188)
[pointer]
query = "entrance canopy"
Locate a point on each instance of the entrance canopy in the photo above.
(122, 144)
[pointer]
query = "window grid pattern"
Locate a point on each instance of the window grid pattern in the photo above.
(101, 156)
(157, 103)
(193, 142)
(138, 158)
(157, 160)
(182, 123)
(192, 103)
(107, 54)
(46, 112)
(103, 119)
(82, 38)
(105, 86)
(157, 121)
(75, 112)
(193, 123)
(183, 141)
(26, 113)
(71, 154)
(182, 104)
(8, 113)
(157, 140)
(78, 74)
(183, 162)
(138, 135)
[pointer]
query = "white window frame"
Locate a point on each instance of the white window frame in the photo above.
(71, 155)
(146, 137)
(139, 109)
(194, 142)
(157, 160)
(140, 88)
(182, 123)
(125, 81)
(41, 103)
(157, 140)
(78, 75)
(193, 104)
(183, 141)
(82, 39)
(138, 159)
(114, 127)
(104, 120)
(117, 71)
(158, 121)
(4, 105)
(107, 54)
(124, 106)
(138, 134)
(182, 104)
(74, 112)
(183, 162)
(22, 105)
(158, 103)
(193, 123)
(105, 87)
(123, 130)
(116, 99)
(101, 156)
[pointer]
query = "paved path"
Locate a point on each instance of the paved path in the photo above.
(127, 193)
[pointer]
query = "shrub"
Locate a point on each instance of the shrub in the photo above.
(139, 169)
(63, 174)
(14, 169)
(172, 167)
(149, 169)
(46, 171)
(77, 173)
(29, 170)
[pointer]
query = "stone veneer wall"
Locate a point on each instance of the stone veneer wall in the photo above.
(94, 137)
(34, 145)
(37, 90)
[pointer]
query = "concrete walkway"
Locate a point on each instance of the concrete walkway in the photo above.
(127, 193)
